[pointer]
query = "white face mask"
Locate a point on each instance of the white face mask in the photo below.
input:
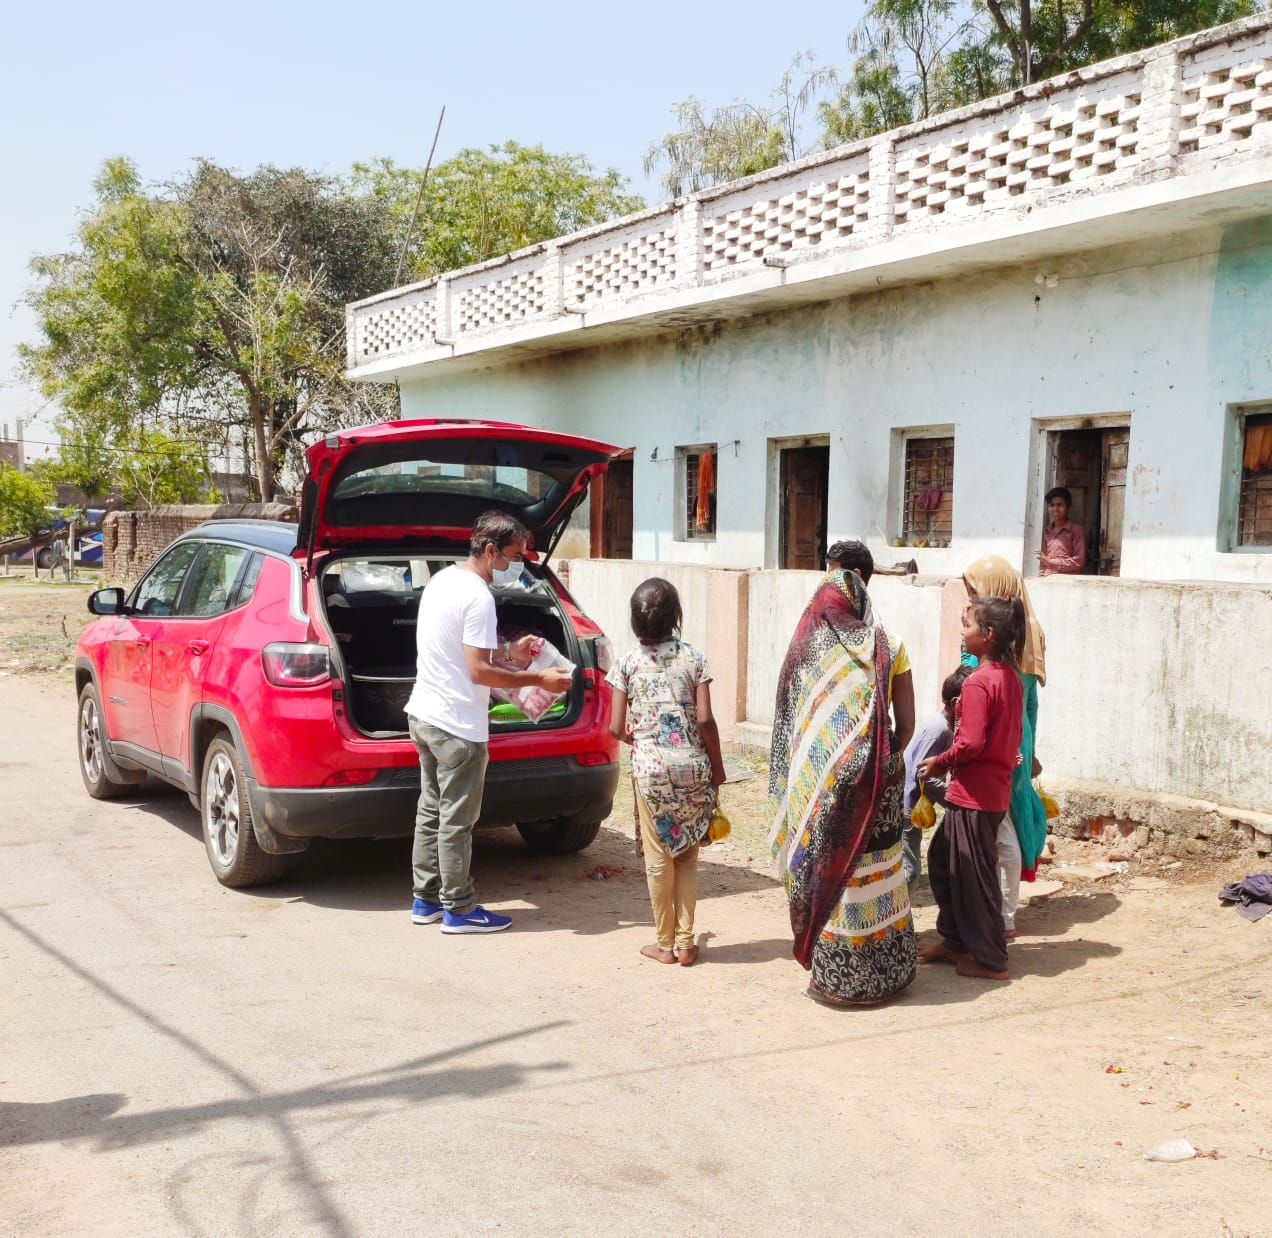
(506, 575)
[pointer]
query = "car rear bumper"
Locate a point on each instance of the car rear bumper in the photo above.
(547, 788)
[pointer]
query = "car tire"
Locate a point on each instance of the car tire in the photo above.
(91, 742)
(44, 558)
(226, 815)
(559, 837)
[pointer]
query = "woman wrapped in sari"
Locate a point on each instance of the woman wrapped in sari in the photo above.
(835, 791)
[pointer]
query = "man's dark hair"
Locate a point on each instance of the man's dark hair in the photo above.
(851, 557)
(495, 529)
(656, 615)
(1058, 492)
(952, 688)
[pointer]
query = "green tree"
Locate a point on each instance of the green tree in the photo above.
(480, 204)
(710, 147)
(1041, 38)
(210, 307)
(24, 502)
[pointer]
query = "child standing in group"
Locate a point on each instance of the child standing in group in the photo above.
(963, 855)
(932, 738)
(676, 761)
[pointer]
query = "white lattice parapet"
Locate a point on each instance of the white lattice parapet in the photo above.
(1191, 120)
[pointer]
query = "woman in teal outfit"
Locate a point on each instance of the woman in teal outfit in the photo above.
(1023, 833)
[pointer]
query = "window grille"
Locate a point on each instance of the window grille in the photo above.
(700, 479)
(1254, 508)
(927, 517)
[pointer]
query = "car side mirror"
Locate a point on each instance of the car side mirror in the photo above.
(106, 602)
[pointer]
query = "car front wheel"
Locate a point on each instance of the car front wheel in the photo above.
(559, 837)
(91, 733)
(235, 855)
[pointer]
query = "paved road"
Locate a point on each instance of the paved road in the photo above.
(183, 1059)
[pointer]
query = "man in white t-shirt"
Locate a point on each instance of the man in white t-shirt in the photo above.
(448, 712)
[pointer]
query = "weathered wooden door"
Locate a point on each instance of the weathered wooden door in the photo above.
(804, 473)
(1115, 447)
(611, 511)
(1077, 468)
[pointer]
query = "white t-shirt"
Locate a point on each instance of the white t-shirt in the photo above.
(456, 609)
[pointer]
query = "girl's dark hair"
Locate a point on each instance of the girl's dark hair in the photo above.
(656, 613)
(1006, 616)
(952, 688)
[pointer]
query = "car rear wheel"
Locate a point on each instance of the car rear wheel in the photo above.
(92, 749)
(44, 558)
(235, 855)
(559, 837)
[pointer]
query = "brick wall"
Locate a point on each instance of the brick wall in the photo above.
(132, 540)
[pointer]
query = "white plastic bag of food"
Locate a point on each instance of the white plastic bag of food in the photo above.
(534, 702)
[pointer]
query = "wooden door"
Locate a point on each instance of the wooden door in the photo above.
(1077, 468)
(803, 477)
(1115, 447)
(610, 522)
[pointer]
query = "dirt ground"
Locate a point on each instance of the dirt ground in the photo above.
(177, 1058)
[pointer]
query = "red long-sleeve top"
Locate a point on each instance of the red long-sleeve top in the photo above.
(986, 739)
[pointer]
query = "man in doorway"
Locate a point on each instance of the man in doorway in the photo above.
(1063, 542)
(448, 713)
(851, 557)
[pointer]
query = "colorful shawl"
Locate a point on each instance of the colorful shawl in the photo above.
(829, 762)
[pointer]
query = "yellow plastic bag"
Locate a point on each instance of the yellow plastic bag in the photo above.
(923, 814)
(1049, 804)
(719, 826)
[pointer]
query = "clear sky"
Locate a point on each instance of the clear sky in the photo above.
(321, 85)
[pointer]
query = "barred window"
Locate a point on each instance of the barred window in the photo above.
(1254, 507)
(927, 512)
(699, 516)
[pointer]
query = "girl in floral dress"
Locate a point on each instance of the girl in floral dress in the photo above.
(676, 761)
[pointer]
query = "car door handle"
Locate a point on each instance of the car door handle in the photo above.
(199, 646)
(145, 640)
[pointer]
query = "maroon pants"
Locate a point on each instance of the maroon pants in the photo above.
(963, 872)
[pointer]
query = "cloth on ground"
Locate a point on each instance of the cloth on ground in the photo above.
(1252, 894)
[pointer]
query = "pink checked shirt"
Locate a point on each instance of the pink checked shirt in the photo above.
(1065, 547)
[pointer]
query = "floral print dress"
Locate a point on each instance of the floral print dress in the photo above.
(670, 765)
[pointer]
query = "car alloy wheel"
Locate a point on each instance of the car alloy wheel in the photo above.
(221, 809)
(233, 851)
(95, 768)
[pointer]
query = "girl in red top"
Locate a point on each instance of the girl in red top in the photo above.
(963, 855)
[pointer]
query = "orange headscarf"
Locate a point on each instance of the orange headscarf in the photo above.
(994, 577)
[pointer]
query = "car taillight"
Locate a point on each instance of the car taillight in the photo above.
(349, 778)
(592, 758)
(294, 665)
(604, 653)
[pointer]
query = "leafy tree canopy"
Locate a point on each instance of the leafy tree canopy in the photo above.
(210, 309)
(912, 59)
(481, 204)
(24, 501)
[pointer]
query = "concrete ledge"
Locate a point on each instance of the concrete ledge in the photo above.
(753, 738)
(1136, 822)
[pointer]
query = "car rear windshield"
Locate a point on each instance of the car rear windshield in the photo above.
(498, 478)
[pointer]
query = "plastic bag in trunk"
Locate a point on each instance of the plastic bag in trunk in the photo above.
(534, 702)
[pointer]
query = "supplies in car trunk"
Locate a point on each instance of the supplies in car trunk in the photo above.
(534, 702)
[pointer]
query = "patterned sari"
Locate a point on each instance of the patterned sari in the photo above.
(836, 795)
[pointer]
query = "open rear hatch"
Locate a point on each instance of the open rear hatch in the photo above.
(416, 483)
(395, 503)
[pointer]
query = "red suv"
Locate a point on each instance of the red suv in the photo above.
(264, 666)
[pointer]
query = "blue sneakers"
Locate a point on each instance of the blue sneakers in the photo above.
(479, 920)
(425, 913)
